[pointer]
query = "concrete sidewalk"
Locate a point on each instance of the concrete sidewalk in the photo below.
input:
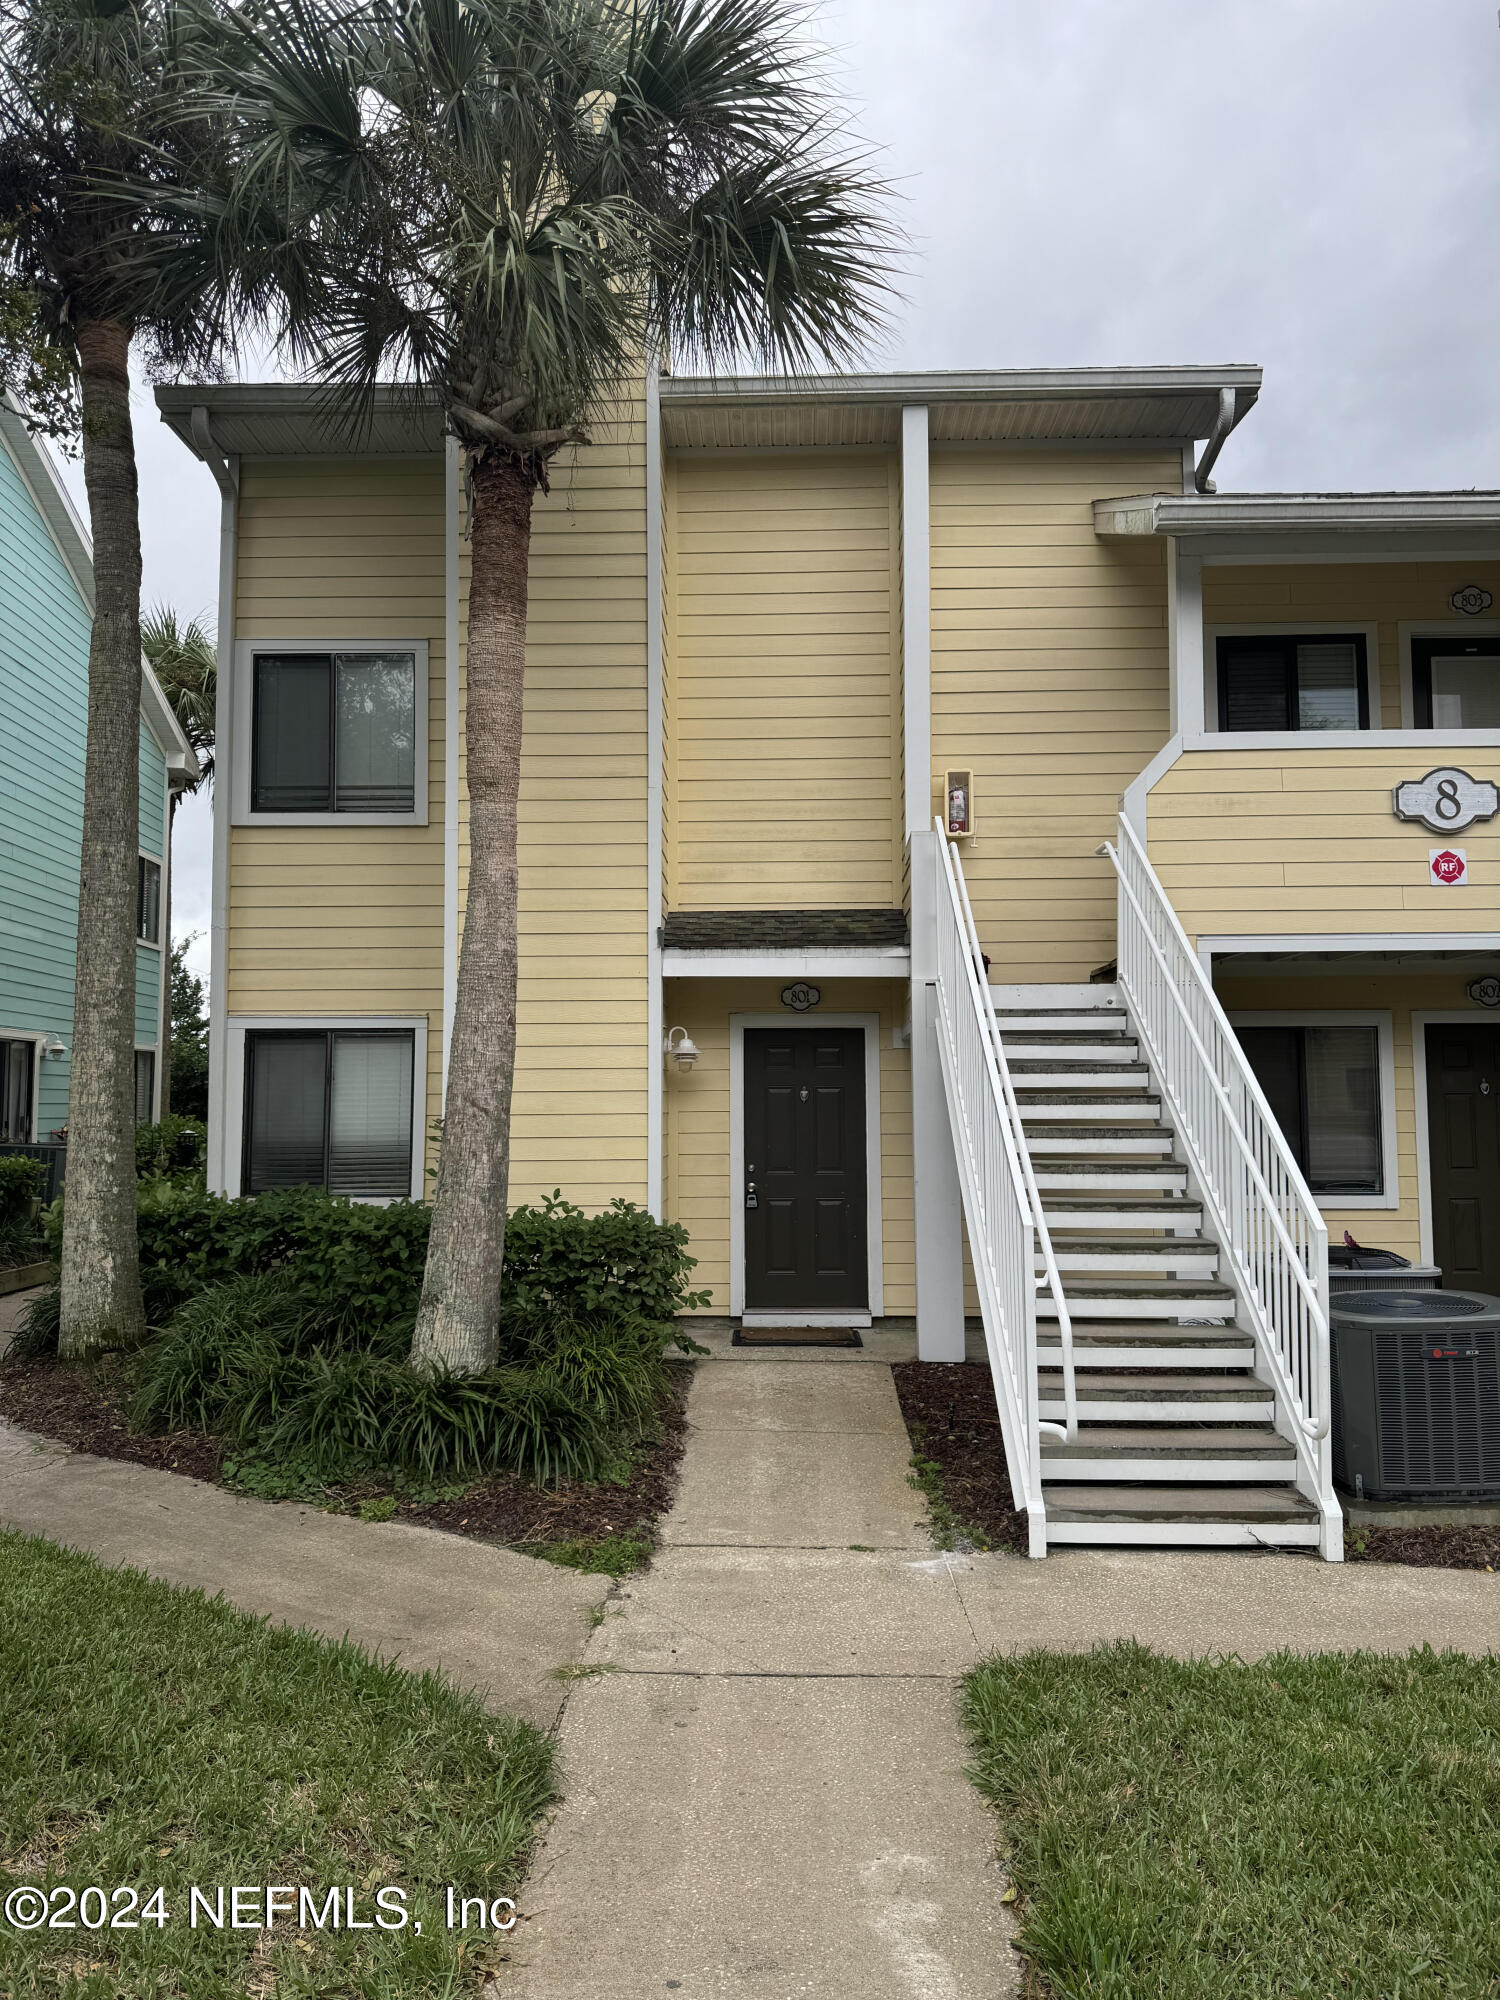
(496, 1622)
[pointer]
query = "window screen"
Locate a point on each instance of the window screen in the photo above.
(147, 900)
(145, 1084)
(1290, 683)
(1455, 684)
(1323, 1085)
(334, 732)
(329, 1108)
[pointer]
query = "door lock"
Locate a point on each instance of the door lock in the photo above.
(752, 1199)
(1484, 1086)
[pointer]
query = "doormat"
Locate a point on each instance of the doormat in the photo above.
(796, 1336)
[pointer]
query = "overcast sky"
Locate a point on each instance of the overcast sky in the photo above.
(1307, 184)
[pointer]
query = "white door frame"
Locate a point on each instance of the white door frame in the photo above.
(1438, 1017)
(870, 1024)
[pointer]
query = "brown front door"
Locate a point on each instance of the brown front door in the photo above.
(1463, 1114)
(806, 1241)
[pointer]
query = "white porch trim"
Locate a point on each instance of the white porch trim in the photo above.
(833, 962)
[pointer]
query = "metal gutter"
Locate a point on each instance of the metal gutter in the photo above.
(1265, 513)
(997, 384)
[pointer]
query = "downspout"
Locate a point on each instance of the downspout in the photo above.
(227, 477)
(1229, 415)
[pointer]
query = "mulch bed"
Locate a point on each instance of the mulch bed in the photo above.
(950, 1412)
(86, 1409)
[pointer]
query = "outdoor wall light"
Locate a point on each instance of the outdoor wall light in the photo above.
(685, 1052)
(53, 1047)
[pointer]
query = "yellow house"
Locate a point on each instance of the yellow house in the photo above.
(1219, 775)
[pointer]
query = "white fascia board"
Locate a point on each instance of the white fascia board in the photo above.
(889, 962)
(964, 384)
(156, 711)
(1247, 515)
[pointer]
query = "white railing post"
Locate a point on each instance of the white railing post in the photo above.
(1007, 1229)
(1270, 1229)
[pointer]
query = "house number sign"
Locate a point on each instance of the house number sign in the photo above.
(1446, 800)
(800, 997)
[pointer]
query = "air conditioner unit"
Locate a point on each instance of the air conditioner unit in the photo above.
(1416, 1394)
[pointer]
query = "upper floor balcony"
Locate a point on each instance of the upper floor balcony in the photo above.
(1326, 651)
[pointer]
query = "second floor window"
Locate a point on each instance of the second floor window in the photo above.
(1455, 683)
(147, 899)
(333, 733)
(1279, 683)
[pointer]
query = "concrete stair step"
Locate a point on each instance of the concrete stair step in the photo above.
(1223, 1453)
(1109, 1174)
(1169, 1398)
(1056, 1073)
(1040, 1107)
(1113, 1212)
(1164, 1516)
(1112, 1049)
(1143, 1345)
(1094, 1297)
(1150, 1142)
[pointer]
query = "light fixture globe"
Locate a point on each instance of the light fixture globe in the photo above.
(684, 1052)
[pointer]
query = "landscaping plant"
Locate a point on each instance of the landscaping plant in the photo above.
(22, 1181)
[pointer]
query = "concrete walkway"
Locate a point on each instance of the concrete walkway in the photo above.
(496, 1622)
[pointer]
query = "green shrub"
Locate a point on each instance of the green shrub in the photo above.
(35, 1336)
(22, 1180)
(172, 1149)
(254, 1360)
(559, 1259)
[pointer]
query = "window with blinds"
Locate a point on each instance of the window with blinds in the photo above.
(329, 1108)
(1288, 682)
(145, 1085)
(1323, 1084)
(334, 733)
(1455, 683)
(147, 899)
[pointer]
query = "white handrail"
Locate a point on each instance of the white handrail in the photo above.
(1069, 1429)
(1269, 1225)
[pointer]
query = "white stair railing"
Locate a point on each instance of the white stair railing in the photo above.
(1002, 1207)
(1269, 1227)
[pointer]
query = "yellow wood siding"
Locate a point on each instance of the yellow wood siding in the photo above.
(1385, 595)
(1305, 841)
(342, 920)
(783, 684)
(698, 1166)
(1401, 995)
(1049, 681)
(578, 1119)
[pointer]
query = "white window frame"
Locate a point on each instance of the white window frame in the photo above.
(1382, 1020)
(238, 1026)
(144, 854)
(855, 1316)
(242, 696)
(1439, 628)
(39, 1044)
(1287, 628)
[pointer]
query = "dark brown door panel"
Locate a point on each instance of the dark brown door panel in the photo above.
(806, 1239)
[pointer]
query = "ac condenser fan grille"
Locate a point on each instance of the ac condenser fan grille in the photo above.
(1439, 1409)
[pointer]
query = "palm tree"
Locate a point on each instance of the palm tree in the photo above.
(509, 205)
(185, 661)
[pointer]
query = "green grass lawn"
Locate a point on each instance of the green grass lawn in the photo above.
(1306, 1826)
(150, 1737)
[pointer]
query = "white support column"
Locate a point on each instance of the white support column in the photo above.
(936, 1196)
(223, 1173)
(655, 758)
(1185, 639)
(452, 530)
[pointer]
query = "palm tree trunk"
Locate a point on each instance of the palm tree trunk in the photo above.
(458, 1321)
(101, 1287)
(164, 1091)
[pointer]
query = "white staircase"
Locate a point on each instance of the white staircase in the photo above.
(1151, 1268)
(1176, 1439)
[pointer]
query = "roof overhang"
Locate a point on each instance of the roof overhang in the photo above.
(302, 420)
(1272, 527)
(986, 406)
